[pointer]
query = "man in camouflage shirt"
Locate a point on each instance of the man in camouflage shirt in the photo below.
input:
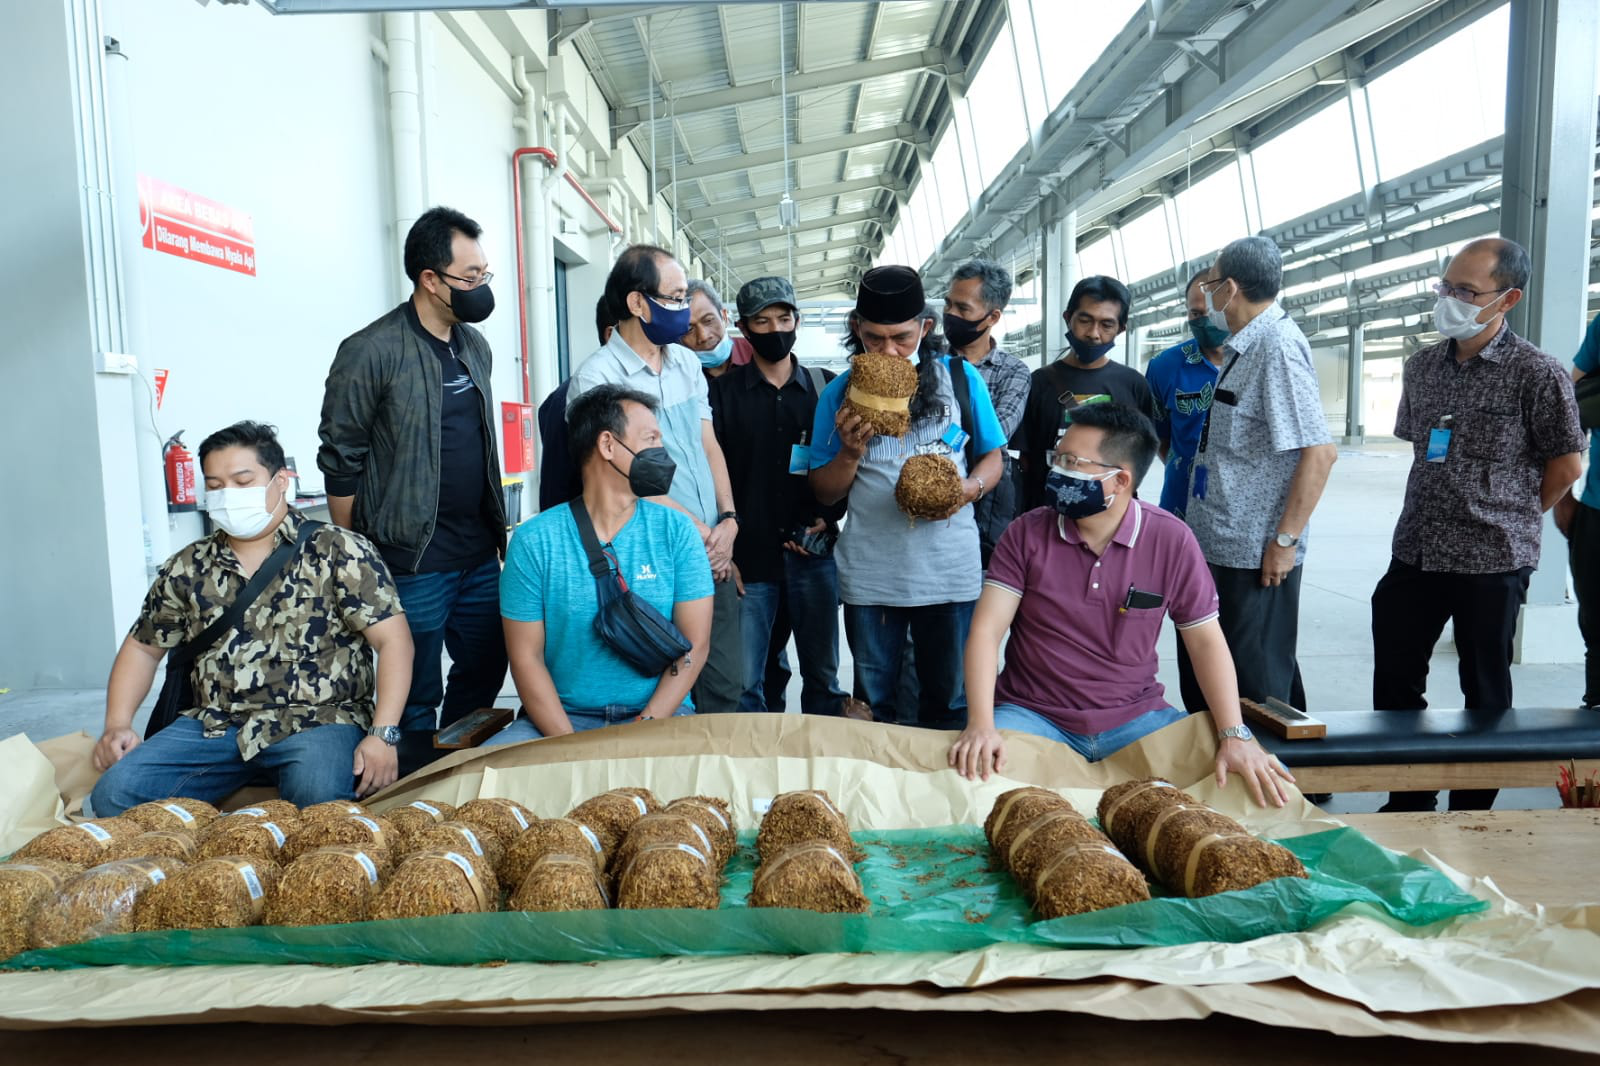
(288, 693)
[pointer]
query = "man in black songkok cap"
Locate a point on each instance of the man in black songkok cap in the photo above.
(902, 579)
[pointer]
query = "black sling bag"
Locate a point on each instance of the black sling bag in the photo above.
(636, 631)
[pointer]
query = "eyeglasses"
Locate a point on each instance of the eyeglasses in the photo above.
(471, 283)
(668, 303)
(1068, 463)
(1461, 292)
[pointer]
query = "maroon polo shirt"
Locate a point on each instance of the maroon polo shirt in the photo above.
(1078, 654)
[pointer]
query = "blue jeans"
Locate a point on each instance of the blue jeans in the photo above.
(582, 719)
(938, 634)
(1092, 746)
(311, 766)
(457, 610)
(809, 592)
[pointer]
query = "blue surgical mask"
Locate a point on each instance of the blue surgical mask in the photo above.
(1077, 495)
(665, 327)
(718, 355)
(1207, 333)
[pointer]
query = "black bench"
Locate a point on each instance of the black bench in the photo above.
(1382, 751)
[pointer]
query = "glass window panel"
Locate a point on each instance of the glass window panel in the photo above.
(1211, 213)
(1070, 42)
(995, 100)
(1096, 258)
(1144, 243)
(946, 168)
(1029, 61)
(1307, 166)
(1424, 110)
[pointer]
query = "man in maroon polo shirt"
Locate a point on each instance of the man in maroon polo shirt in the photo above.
(1083, 585)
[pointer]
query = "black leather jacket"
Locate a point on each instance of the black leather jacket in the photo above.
(381, 412)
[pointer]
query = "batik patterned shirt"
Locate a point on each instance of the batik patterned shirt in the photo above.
(298, 658)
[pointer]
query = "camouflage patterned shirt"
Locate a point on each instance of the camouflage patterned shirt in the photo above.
(297, 659)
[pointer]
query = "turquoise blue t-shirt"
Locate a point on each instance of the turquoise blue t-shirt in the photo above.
(547, 579)
(1588, 361)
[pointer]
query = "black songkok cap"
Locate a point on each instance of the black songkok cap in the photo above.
(889, 295)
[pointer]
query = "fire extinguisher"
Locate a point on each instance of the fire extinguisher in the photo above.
(180, 474)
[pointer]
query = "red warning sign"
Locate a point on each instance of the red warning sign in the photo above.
(181, 223)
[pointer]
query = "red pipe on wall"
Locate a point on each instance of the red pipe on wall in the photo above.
(549, 157)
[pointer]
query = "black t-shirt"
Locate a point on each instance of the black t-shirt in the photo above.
(1052, 394)
(463, 532)
(758, 426)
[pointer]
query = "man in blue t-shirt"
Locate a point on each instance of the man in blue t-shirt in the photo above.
(1182, 379)
(568, 678)
(1579, 519)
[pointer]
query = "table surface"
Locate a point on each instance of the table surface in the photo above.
(1550, 857)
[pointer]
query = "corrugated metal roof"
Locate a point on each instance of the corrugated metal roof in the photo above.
(732, 52)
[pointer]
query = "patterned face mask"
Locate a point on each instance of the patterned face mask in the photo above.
(1075, 495)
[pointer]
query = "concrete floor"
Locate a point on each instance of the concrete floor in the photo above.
(1348, 552)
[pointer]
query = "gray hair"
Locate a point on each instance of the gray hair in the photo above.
(703, 287)
(996, 281)
(1255, 264)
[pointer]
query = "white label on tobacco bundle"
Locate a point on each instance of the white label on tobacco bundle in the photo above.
(472, 841)
(251, 881)
(368, 822)
(701, 833)
(254, 812)
(517, 814)
(588, 834)
(425, 808)
(183, 816)
(638, 801)
(277, 834)
(157, 875)
(466, 867)
(95, 831)
(762, 805)
(717, 813)
(366, 864)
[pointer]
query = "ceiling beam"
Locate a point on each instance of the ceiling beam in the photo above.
(733, 164)
(625, 119)
(759, 257)
(805, 225)
(727, 208)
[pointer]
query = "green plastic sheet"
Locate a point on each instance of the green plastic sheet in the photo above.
(931, 890)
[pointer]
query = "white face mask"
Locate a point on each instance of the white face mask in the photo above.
(240, 512)
(1458, 319)
(1217, 315)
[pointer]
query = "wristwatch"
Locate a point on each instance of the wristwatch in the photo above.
(1286, 540)
(1237, 732)
(729, 514)
(389, 734)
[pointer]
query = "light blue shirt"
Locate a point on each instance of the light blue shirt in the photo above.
(1588, 361)
(546, 579)
(884, 558)
(684, 406)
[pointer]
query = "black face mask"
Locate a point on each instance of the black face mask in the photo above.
(470, 305)
(773, 347)
(960, 332)
(651, 473)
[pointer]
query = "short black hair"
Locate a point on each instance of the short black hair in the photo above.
(428, 242)
(637, 269)
(1130, 439)
(598, 410)
(1101, 287)
(602, 318)
(1193, 282)
(258, 435)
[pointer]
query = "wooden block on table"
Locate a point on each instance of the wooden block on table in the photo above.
(473, 728)
(1283, 720)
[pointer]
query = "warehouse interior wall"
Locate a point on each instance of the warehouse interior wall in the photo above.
(287, 120)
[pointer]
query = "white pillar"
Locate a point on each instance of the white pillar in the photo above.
(1547, 199)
